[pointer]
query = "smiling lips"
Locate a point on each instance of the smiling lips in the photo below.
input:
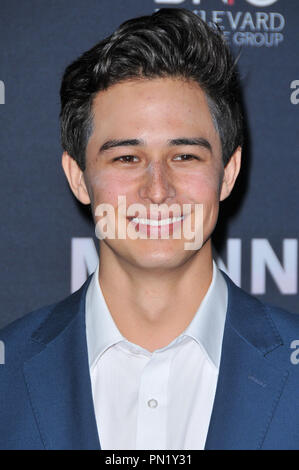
(156, 222)
(160, 227)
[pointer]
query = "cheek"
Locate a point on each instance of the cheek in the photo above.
(204, 187)
(106, 186)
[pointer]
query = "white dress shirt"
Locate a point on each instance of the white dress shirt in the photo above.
(155, 400)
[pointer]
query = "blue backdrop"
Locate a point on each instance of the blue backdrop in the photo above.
(47, 238)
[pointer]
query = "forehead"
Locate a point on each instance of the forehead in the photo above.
(153, 107)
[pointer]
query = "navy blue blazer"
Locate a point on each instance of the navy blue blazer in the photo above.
(45, 389)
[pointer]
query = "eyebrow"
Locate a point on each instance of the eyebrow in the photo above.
(197, 141)
(121, 143)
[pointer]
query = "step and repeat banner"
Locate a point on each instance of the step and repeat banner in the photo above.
(48, 246)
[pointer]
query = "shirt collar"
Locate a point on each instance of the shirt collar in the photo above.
(206, 327)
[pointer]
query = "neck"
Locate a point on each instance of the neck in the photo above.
(151, 308)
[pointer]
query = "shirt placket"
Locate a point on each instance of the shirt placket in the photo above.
(151, 432)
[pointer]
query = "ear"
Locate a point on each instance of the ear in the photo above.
(231, 172)
(75, 177)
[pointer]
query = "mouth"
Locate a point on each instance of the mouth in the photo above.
(156, 222)
(154, 228)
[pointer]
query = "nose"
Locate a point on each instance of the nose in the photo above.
(157, 186)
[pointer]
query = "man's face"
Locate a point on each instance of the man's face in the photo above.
(174, 157)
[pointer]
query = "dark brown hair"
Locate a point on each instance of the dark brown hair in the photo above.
(173, 42)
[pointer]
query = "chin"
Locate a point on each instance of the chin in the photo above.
(160, 258)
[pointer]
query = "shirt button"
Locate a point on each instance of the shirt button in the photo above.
(152, 403)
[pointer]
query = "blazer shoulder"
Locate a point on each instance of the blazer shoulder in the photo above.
(265, 326)
(40, 325)
(16, 334)
(286, 322)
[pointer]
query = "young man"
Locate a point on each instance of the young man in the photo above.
(158, 349)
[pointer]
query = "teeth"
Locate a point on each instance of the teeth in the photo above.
(156, 223)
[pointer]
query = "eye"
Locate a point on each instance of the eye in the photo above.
(126, 159)
(185, 157)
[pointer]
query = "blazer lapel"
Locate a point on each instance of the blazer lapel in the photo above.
(249, 385)
(58, 379)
